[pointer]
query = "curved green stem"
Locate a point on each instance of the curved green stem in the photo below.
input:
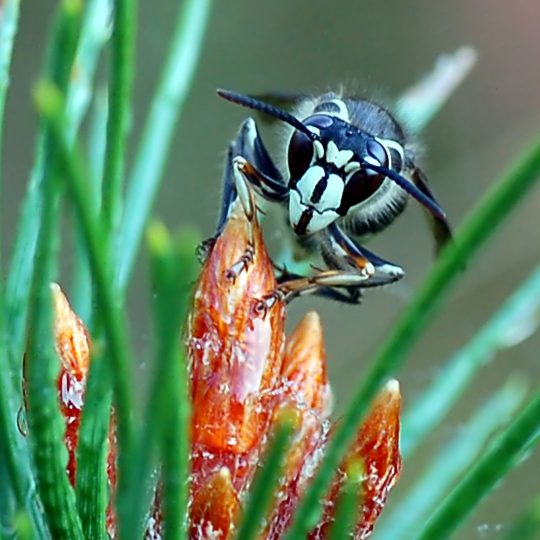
(59, 63)
(92, 492)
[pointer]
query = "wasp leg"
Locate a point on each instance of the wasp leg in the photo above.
(267, 187)
(340, 252)
(320, 283)
(351, 269)
(260, 171)
(246, 199)
(345, 295)
(257, 165)
(228, 196)
(248, 154)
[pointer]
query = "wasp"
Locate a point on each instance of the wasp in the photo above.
(349, 172)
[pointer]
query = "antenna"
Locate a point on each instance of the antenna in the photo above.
(267, 108)
(409, 187)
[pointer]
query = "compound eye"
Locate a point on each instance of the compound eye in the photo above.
(376, 155)
(360, 187)
(300, 154)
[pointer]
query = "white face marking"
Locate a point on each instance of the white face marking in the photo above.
(372, 161)
(320, 221)
(331, 198)
(295, 208)
(338, 157)
(314, 129)
(332, 152)
(307, 183)
(319, 149)
(343, 111)
(351, 167)
(322, 216)
(343, 157)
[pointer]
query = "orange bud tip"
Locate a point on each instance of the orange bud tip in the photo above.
(392, 387)
(71, 337)
(215, 507)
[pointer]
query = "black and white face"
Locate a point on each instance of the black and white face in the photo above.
(329, 177)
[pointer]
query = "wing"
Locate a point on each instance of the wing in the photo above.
(440, 228)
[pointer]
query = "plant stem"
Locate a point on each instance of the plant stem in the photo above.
(174, 270)
(426, 412)
(504, 454)
(108, 310)
(45, 422)
(121, 82)
(266, 480)
(59, 62)
(153, 148)
(92, 492)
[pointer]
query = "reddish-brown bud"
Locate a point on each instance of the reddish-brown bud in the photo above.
(304, 386)
(377, 448)
(304, 379)
(215, 508)
(235, 352)
(73, 347)
(243, 380)
(377, 445)
(71, 337)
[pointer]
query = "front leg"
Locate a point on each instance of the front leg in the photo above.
(248, 156)
(268, 188)
(324, 283)
(351, 269)
(340, 252)
(344, 295)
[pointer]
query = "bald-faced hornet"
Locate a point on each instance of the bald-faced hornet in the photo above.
(349, 172)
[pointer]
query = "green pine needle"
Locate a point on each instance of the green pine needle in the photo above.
(108, 305)
(120, 89)
(499, 459)
(266, 482)
(153, 150)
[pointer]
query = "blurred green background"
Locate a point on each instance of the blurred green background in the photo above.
(377, 48)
